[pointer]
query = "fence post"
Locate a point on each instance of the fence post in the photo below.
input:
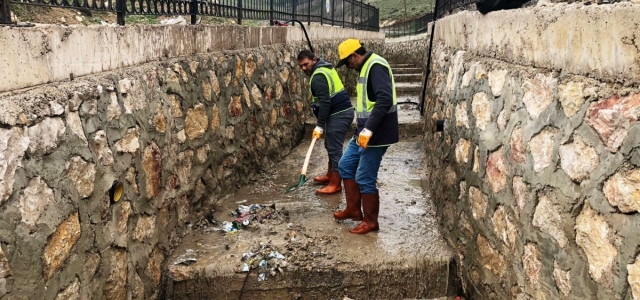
(239, 12)
(309, 12)
(343, 20)
(294, 10)
(194, 11)
(271, 10)
(5, 12)
(322, 3)
(333, 12)
(121, 10)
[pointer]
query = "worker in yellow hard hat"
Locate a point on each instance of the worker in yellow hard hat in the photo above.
(377, 129)
(334, 113)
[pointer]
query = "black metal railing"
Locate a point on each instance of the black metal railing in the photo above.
(411, 27)
(345, 13)
(420, 25)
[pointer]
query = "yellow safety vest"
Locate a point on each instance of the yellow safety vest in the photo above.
(333, 80)
(362, 99)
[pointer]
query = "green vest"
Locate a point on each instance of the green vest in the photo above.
(333, 80)
(362, 99)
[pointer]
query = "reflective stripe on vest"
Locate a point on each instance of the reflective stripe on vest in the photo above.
(333, 80)
(362, 101)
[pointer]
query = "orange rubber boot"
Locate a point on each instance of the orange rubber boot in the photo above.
(335, 184)
(324, 178)
(352, 194)
(370, 206)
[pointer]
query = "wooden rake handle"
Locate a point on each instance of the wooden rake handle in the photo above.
(306, 160)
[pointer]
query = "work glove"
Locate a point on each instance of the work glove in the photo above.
(317, 133)
(363, 138)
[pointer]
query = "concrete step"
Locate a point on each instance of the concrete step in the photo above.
(408, 88)
(403, 65)
(406, 70)
(407, 258)
(407, 77)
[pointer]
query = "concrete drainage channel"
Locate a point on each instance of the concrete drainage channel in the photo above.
(293, 249)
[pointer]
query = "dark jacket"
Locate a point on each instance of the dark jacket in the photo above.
(383, 124)
(320, 89)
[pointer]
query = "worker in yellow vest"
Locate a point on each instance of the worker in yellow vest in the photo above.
(332, 107)
(377, 118)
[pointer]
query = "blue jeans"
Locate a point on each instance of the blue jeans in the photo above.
(336, 130)
(362, 165)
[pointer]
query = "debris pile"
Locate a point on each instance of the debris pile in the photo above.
(266, 258)
(299, 251)
(247, 214)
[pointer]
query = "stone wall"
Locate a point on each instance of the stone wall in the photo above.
(179, 133)
(536, 176)
(408, 50)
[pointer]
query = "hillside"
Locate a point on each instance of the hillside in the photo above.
(390, 11)
(394, 9)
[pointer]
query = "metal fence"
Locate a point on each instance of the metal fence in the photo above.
(345, 13)
(420, 25)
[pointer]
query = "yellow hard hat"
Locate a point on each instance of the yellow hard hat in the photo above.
(347, 48)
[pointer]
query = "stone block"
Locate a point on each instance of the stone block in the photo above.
(129, 142)
(115, 286)
(478, 202)
(592, 235)
(34, 199)
(113, 109)
(578, 159)
(531, 263)
(504, 227)
(60, 244)
(571, 97)
(613, 117)
(176, 106)
(130, 177)
(516, 143)
(562, 279)
(180, 71)
(256, 96)
(246, 96)
(520, 192)
(154, 265)
(55, 108)
(454, 71)
(496, 171)
(215, 118)
(491, 258)
(196, 122)
(13, 145)
(541, 147)
(623, 190)
(152, 166)
(185, 161)
(548, 218)
(633, 277)
(44, 137)
(481, 109)
(476, 160)
(160, 121)
(82, 174)
(462, 151)
(497, 79)
(462, 119)
(235, 106)
(101, 148)
(538, 94)
(5, 270)
(75, 126)
(145, 228)
(71, 292)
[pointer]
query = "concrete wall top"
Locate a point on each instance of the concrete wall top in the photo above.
(295, 33)
(51, 53)
(592, 40)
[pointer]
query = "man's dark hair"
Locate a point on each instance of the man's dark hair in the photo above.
(361, 51)
(306, 54)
